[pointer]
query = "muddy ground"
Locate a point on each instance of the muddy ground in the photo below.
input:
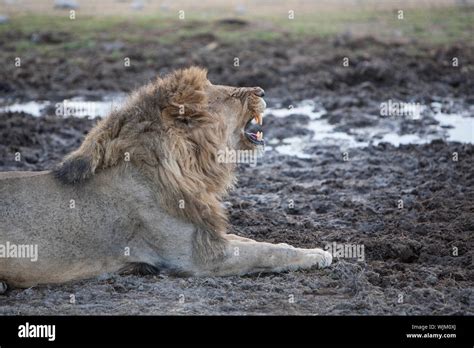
(409, 266)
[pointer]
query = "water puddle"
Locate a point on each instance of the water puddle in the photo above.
(76, 107)
(458, 128)
(32, 107)
(451, 127)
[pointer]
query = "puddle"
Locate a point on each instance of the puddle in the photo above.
(32, 107)
(76, 107)
(306, 107)
(452, 127)
(460, 129)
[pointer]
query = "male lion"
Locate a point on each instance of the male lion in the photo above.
(143, 192)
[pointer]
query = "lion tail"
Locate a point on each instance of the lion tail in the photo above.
(81, 164)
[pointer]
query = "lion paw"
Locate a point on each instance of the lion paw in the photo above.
(326, 259)
(322, 258)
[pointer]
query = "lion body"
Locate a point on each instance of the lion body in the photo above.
(144, 189)
(106, 225)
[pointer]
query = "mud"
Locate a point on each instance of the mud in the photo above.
(335, 195)
(288, 69)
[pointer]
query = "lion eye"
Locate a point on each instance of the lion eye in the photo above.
(240, 93)
(245, 92)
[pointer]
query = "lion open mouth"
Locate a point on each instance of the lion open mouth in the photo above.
(253, 130)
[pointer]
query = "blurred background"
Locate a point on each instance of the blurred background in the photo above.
(85, 49)
(335, 61)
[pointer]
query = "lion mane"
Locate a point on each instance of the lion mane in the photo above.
(166, 131)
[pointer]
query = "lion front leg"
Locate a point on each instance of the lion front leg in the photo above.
(245, 256)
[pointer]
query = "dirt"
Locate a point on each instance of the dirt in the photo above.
(410, 264)
(286, 68)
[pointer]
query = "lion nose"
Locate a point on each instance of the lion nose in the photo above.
(259, 92)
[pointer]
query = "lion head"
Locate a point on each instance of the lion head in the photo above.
(172, 130)
(192, 103)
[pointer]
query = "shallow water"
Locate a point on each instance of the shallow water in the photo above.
(451, 127)
(77, 106)
(31, 107)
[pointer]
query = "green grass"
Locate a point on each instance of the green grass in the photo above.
(321, 24)
(32, 23)
(435, 26)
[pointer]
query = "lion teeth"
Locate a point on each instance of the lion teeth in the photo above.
(259, 119)
(259, 136)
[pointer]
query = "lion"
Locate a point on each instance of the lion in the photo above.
(143, 193)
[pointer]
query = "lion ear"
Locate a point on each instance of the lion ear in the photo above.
(186, 115)
(183, 100)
